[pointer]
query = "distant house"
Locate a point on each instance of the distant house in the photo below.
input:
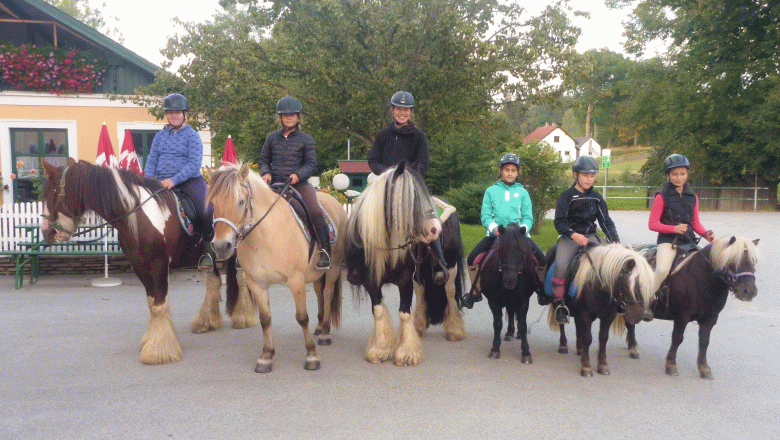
(357, 171)
(587, 146)
(557, 138)
(52, 121)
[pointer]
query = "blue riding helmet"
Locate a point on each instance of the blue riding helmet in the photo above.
(402, 99)
(288, 104)
(674, 161)
(509, 158)
(585, 164)
(176, 102)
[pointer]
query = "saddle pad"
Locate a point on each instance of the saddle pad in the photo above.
(185, 221)
(548, 283)
(306, 233)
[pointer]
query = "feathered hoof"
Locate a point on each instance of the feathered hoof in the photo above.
(526, 359)
(311, 364)
(455, 336)
(494, 354)
(324, 340)
(264, 366)
(154, 356)
(563, 349)
(407, 357)
(604, 371)
(244, 322)
(203, 324)
(375, 355)
(671, 370)
(586, 372)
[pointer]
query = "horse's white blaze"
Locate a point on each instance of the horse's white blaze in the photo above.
(160, 344)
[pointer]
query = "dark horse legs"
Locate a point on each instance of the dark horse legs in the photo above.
(705, 329)
(585, 338)
(522, 328)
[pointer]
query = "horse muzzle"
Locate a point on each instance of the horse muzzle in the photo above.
(223, 249)
(634, 313)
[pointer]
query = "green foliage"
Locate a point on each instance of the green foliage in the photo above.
(541, 173)
(468, 201)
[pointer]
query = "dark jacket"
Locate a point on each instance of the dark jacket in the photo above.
(678, 209)
(578, 212)
(392, 145)
(282, 156)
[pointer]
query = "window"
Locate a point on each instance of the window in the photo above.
(357, 182)
(556, 139)
(29, 146)
(142, 141)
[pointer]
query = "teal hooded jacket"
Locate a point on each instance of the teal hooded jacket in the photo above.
(504, 204)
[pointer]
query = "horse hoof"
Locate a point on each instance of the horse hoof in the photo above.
(526, 359)
(563, 349)
(324, 340)
(311, 365)
(494, 354)
(604, 371)
(706, 375)
(586, 372)
(672, 371)
(633, 355)
(509, 337)
(317, 332)
(264, 367)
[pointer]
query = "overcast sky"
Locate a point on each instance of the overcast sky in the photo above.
(146, 24)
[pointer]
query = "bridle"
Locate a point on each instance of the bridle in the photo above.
(249, 208)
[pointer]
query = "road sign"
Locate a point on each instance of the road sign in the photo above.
(605, 161)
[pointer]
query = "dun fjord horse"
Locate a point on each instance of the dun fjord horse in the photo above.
(388, 236)
(151, 237)
(611, 280)
(508, 279)
(698, 289)
(252, 222)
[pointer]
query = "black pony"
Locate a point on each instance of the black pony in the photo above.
(698, 289)
(508, 279)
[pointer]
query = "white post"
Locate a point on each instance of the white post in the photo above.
(755, 192)
(347, 149)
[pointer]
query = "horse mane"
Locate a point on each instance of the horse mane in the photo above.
(724, 253)
(388, 213)
(512, 238)
(224, 181)
(109, 192)
(610, 260)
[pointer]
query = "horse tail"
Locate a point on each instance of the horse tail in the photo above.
(554, 326)
(336, 303)
(618, 326)
(231, 291)
(460, 281)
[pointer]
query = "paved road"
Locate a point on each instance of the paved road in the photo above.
(69, 369)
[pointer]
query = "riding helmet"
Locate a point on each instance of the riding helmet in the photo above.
(288, 104)
(585, 164)
(176, 102)
(674, 161)
(509, 158)
(402, 99)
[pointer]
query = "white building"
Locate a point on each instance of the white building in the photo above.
(557, 138)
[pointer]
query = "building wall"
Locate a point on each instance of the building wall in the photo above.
(565, 146)
(83, 117)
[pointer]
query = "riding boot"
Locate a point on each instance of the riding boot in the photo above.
(475, 295)
(561, 311)
(440, 273)
(541, 272)
(324, 237)
(206, 260)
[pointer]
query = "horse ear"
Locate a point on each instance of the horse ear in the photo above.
(630, 264)
(733, 239)
(501, 229)
(71, 161)
(523, 230)
(756, 241)
(48, 168)
(244, 171)
(209, 173)
(399, 169)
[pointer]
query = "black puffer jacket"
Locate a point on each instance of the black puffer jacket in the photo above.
(578, 212)
(392, 145)
(293, 154)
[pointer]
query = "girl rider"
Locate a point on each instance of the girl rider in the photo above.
(576, 213)
(675, 216)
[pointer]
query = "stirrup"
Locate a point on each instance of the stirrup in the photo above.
(324, 257)
(562, 318)
(205, 262)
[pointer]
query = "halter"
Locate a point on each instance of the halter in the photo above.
(57, 226)
(731, 278)
(248, 227)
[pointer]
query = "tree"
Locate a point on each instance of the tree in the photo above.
(725, 59)
(345, 58)
(90, 16)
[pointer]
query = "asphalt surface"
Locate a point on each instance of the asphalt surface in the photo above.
(69, 368)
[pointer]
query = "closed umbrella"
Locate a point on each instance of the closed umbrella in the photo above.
(105, 153)
(128, 160)
(229, 155)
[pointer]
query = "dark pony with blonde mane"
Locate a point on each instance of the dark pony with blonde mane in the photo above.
(613, 282)
(150, 234)
(698, 288)
(251, 221)
(388, 241)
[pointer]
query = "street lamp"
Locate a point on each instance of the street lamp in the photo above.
(341, 181)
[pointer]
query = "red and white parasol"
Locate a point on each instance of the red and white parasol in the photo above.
(229, 155)
(128, 160)
(105, 153)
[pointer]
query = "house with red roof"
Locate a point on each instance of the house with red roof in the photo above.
(556, 137)
(357, 171)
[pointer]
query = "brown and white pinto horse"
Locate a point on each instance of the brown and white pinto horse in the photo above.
(272, 249)
(151, 237)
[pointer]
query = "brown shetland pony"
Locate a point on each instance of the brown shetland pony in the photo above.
(275, 251)
(152, 239)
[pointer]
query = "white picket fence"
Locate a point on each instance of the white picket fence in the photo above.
(15, 214)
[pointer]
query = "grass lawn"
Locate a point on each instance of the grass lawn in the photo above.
(472, 234)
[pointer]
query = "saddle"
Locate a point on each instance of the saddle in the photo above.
(570, 288)
(661, 303)
(186, 212)
(303, 215)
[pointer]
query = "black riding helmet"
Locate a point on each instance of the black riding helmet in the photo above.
(402, 99)
(674, 161)
(509, 158)
(585, 164)
(176, 102)
(288, 104)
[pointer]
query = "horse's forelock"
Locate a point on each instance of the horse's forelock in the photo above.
(725, 254)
